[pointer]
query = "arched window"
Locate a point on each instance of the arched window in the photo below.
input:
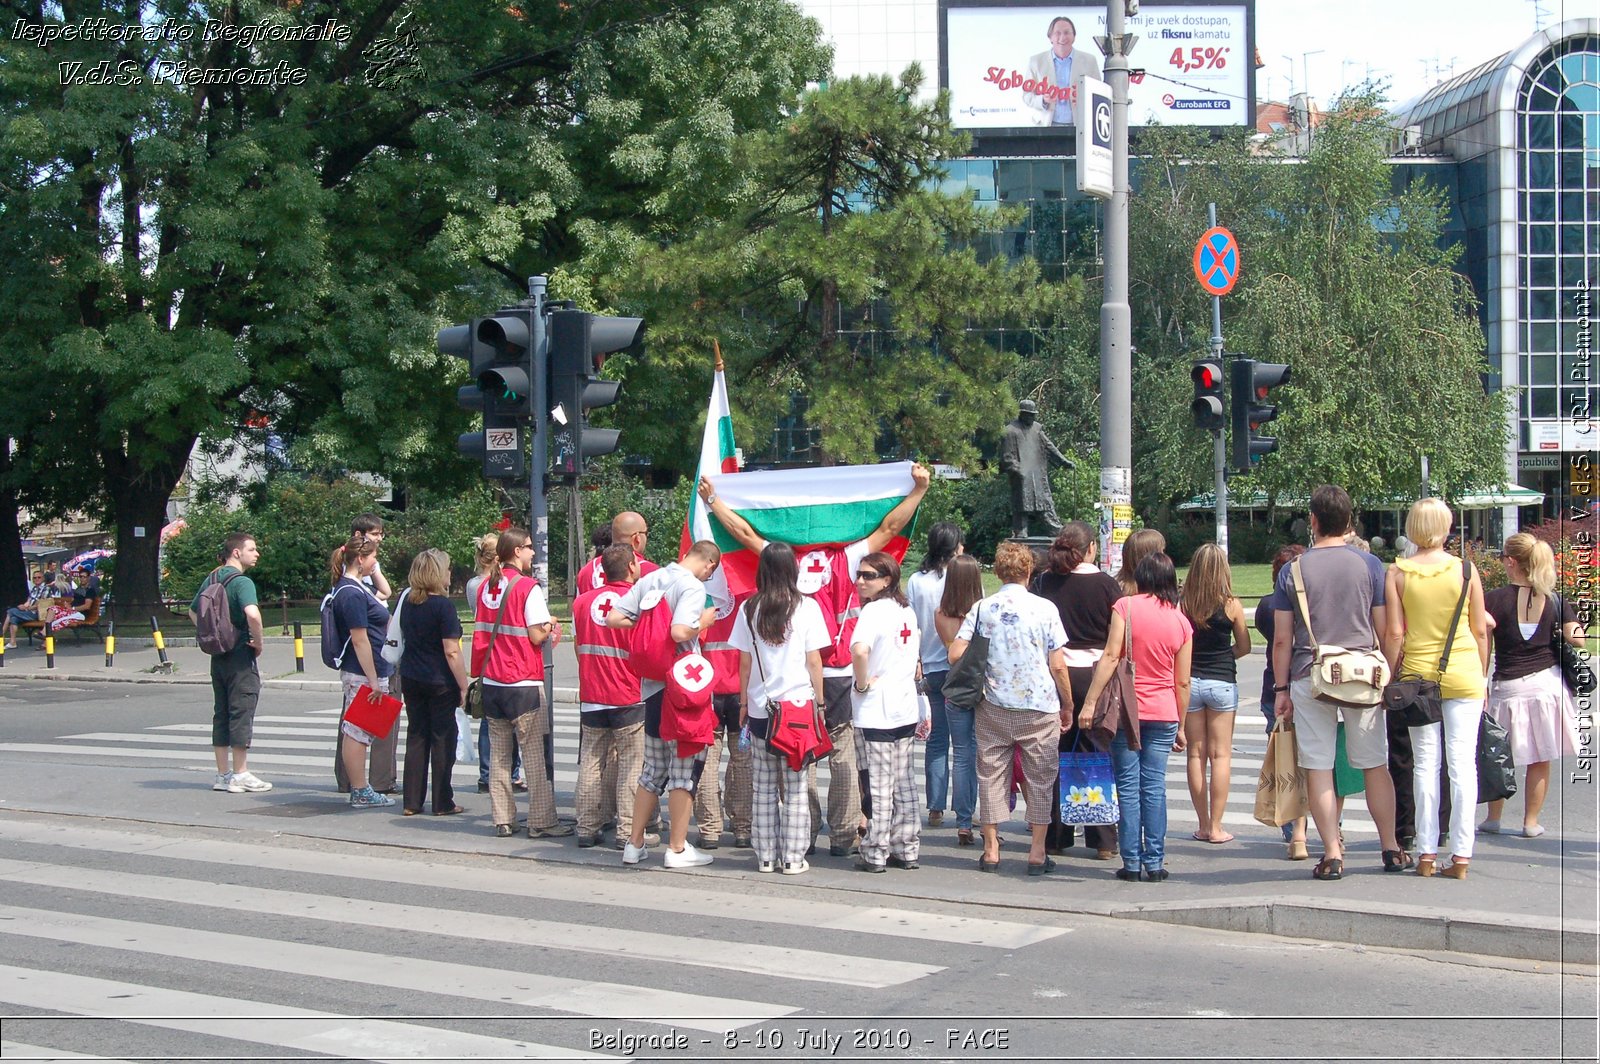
(1558, 200)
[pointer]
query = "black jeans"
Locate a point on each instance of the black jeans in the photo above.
(430, 743)
(1400, 770)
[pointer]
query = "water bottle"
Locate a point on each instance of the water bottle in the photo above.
(744, 737)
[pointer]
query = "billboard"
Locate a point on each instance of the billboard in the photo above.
(1009, 66)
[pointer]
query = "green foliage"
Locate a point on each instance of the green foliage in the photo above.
(183, 257)
(606, 492)
(842, 277)
(1342, 278)
(448, 522)
(297, 523)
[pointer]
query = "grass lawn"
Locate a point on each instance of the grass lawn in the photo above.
(1250, 582)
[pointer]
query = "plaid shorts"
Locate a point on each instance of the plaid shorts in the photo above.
(665, 771)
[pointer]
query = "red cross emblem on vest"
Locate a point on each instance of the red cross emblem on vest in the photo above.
(816, 572)
(602, 605)
(693, 672)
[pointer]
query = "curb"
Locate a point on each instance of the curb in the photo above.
(561, 695)
(1398, 926)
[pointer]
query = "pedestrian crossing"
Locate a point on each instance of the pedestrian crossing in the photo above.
(227, 949)
(302, 746)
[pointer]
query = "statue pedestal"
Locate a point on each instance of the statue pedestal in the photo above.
(1040, 545)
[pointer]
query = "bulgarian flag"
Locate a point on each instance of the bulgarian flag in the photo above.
(826, 506)
(716, 456)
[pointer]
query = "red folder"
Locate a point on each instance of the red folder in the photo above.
(377, 717)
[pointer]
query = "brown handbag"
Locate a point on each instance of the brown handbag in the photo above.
(1118, 705)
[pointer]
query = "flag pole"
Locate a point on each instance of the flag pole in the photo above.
(716, 349)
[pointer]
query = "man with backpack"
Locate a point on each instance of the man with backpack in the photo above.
(678, 592)
(227, 625)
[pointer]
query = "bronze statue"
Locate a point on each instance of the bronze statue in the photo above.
(1025, 457)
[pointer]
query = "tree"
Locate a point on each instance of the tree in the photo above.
(192, 250)
(846, 277)
(1343, 278)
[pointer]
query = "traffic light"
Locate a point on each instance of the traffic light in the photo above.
(499, 445)
(1251, 382)
(579, 344)
(1207, 404)
(507, 378)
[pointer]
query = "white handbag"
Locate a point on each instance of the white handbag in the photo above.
(394, 640)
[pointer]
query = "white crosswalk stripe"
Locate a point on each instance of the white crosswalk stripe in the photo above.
(291, 744)
(60, 894)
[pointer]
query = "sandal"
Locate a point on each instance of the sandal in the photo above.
(1328, 868)
(964, 837)
(1397, 860)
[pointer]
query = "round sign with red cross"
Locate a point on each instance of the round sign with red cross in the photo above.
(1216, 261)
(816, 571)
(602, 606)
(693, 673)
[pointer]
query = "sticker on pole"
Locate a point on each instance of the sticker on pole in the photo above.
(1216, 261)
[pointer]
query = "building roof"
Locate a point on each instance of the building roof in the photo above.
(1489, 87)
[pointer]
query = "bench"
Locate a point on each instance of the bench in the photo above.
(90, 622)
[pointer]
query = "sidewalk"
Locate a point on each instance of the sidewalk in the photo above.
(1533, 899)
(137, 661)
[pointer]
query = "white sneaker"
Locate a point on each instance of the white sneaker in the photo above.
(794, 868)
(241, 782)
(688, 857)
(766, 866)
(221, 782)
(632, 854)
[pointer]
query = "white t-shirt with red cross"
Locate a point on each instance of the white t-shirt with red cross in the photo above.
(889, 631)
(779, 672)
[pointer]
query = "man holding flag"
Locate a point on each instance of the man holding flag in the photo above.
(824, 514)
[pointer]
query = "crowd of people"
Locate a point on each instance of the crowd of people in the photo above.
(674, 671)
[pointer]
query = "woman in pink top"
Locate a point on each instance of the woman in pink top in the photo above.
(1162, 641)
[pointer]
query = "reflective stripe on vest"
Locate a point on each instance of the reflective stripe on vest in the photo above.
(485, 627)
(720, 645)
(603, 651)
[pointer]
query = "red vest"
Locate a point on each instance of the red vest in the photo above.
(516, 657)
(603, 674)
(837, 596)
(724, 658)
(592, 577)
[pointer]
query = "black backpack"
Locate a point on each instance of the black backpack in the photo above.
(214, 629)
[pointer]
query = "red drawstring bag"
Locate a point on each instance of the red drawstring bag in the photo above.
(653, 650)
(687, 715)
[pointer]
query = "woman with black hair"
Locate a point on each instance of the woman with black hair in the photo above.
(924, 589)
(1162, 641)
(1083, 595)
(885, 651)
(780, 635)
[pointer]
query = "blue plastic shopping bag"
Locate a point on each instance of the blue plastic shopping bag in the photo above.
(1088, 788)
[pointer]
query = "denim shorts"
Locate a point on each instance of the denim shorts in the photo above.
(1218, 695)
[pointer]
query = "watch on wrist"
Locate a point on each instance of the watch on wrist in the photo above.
(1281, 687)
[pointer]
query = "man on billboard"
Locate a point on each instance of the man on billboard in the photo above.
(1056, 71)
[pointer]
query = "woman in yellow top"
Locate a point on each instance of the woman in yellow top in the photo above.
(1422, 593)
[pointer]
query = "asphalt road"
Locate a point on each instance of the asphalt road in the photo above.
(145, 917)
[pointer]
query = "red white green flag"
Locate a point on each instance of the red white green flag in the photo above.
(716, 456)
(809, 508)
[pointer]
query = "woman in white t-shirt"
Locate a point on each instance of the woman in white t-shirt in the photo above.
(780, 636)
(885, 654)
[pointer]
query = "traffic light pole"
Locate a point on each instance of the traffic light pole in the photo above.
(1219, 460)
(539, 505)
(1116, 325)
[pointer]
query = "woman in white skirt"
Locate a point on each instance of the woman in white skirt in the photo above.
(885, 654)
(1527, 696)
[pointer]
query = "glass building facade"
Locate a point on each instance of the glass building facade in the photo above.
(1523, 131)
